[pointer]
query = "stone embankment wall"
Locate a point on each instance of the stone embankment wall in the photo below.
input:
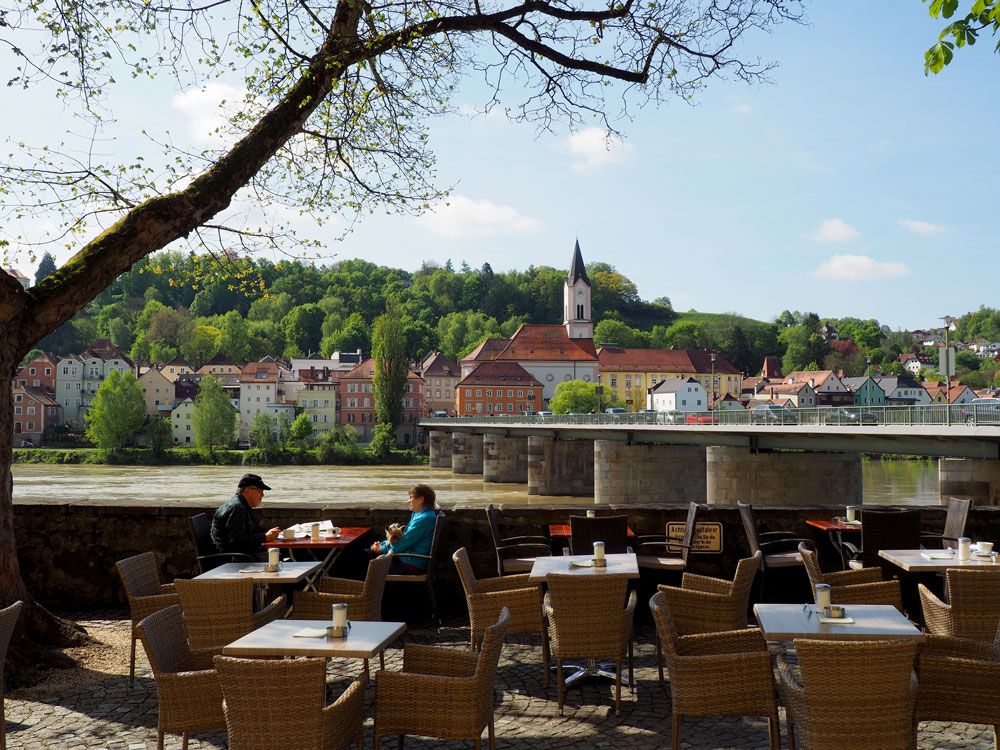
(975, 478)
(769, 478)
(68, 552)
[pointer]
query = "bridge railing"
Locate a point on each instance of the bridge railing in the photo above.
(970, 414)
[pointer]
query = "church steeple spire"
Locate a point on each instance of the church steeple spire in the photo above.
(576, 299)
(577, 270)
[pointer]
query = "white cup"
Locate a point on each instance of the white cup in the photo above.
(591, 514)
(288, 534)
(314, 528)
(851, 513)
(984, 548)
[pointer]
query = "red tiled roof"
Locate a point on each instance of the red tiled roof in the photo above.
(487, 350)
(366, 371)
(437, 365)
(772, 367)
(547, 343)
(41, 395)
(783, 387)
(499, 373)
(615, 359)
(249, 372)
(804, 376)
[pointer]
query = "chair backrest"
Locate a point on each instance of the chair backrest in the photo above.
(201, 535)
(273, 702)
(858, 693)
(493, 518)
(164, 638)
(811, 562)
(140, 575)
(486, 667)
(666, 629)
(887, 528)
(216, 612)
(587, 614)
(584, 531)
(8, 619)
(689, 528)
(746, 571)
(465, 572)
(954, 522)
(974, 596)
(435, 541)
(749, 526)
(378, 570)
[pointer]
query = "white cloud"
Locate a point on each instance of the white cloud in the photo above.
(923, 228)
(596, 148)
(835, 230)
(859, 268)
(206, 108)
(459, 216)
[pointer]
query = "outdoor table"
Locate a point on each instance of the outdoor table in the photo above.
(326, 550)
(836, 529)
(288, 574)
(364, 640)
(928, 561)
(786, 622)
(616, 563)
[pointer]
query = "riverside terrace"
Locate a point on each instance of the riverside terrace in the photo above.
(94, 708)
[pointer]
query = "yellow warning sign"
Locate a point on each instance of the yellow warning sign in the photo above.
(707, 537)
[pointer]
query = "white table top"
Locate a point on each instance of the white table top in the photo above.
(364, 640)
(619, 563)
(911, 560)
(786, 622)
(288, 572)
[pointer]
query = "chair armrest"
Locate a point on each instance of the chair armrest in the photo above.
(852, 550)
(793, 695)
(659, 548)
(345, 717)
(423, 660)
(167, 588)
(937, 614)
(628, 617)
(526, 549)
(640, 538)
(959, 648)
(330, 585)
(273, 611)
(774, 536)
(794, 541)
(883, 592)
(142, 606)
(525, 540)
(853, 577)
(412, 554)
(726, 642)
(505, 583)
(706, 584)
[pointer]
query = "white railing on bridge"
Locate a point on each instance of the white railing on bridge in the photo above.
(837, 416)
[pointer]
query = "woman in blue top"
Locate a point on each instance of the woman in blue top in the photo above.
(417, 536)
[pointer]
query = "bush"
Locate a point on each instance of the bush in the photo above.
(383, 440)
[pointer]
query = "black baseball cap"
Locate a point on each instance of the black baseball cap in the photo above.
(252, 480)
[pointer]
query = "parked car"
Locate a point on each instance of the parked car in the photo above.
(27, 444)
(847, 416)
(982, 411)
(440, 413)
(543, 413)
(615, 410)
(773, 414)
(701, 419)
(672, 417)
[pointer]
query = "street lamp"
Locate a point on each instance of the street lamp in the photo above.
(947, 354)
(712, 402)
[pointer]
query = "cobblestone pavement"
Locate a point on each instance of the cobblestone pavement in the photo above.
(98, 710)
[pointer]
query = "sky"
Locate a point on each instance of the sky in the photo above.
(852, 184)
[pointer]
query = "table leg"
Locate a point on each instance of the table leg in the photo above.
(592, 669)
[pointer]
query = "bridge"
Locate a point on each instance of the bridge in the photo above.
(806, 456)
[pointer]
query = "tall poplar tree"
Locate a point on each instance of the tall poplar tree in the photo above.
(391, 367)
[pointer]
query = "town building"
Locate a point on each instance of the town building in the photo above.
(771, 368)
(495, 388)
(157, 391)
(487, 351)
(175, 368)
(258, 388)
(830, 390)
(797, 394)
(678, 394)
(727, 402)
(866, 391)
(79, 376)
(35, 410)
(356, 399)
(441, 375)
(902, 390)
(219, 365)
(181, 422)
(577, 299)
(552, 356)
(39, 373)
(21, 279)
(318, 400)
(628, 374)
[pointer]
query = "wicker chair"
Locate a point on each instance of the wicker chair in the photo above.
(426, 578)
(187, 686)
(717, 674)
(208, 556)
(853, 695)
(973, 611)
(954, 525)
(8, 619)
(141, 579)
(282, 703)
(363, 598)
(587, 620)
(218, 612)
(885, 528)
(779, 548)
(860, 586)
(585, 530)
(486, 597)
(515, 554)
(441, 692)
(959, 680)
(656, 552)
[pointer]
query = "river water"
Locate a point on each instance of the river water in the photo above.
(885, 483)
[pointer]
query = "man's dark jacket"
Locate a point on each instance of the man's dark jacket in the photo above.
(234, 528)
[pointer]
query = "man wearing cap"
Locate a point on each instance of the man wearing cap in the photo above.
(233, 525)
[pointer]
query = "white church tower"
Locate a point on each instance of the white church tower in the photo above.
(576, 299)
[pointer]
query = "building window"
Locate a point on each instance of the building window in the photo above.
(489, 393)
(31, 426)
(520, 393)
(468, 407)
(17, 410)
(510, 394)
(468, 391)
(32, 371)
(368, 403)
(479, 392)
(579, 312)
(510, 407)
(614, 381)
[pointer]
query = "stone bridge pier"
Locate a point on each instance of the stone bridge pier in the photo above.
(505, 459)
(977, 479)
(648, 474)
(466, 453)
(560, 467)
(782, 478)
(439, 443)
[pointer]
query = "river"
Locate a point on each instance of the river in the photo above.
(885, 483)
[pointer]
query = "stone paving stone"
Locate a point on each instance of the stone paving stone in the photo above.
(104, 714)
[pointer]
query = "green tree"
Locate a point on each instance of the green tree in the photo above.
(234, 337)
(202, 346)
(303, 327)
(610, 331)
(579, 396)
(967, 361)
(804, 347)
(982, 15)
(214, 418)
(264, 434)
(159, 435)
(351, 336)
(120, 333)
(117, 411)
(301, 430)
(391, 367)
(46, 266)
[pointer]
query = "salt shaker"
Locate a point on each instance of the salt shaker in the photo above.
(599, 553)
(273, 557)
(964, 547)
(823, 597)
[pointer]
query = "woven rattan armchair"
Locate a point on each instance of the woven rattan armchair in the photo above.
(485, 598)
(883, 528)
(218, 612)
(515, 554)
(441, 692)
(717, 674)
(859, 586)
(954, 525)
(141, 579)
(959, 680)
(659, 552)
(585, 530)
(589, 618)
(187, 686)
(207, 556)
(363, 598)
(778, 547)
(973, 609)
(8, 619)
(851, 695)
(274, 703)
